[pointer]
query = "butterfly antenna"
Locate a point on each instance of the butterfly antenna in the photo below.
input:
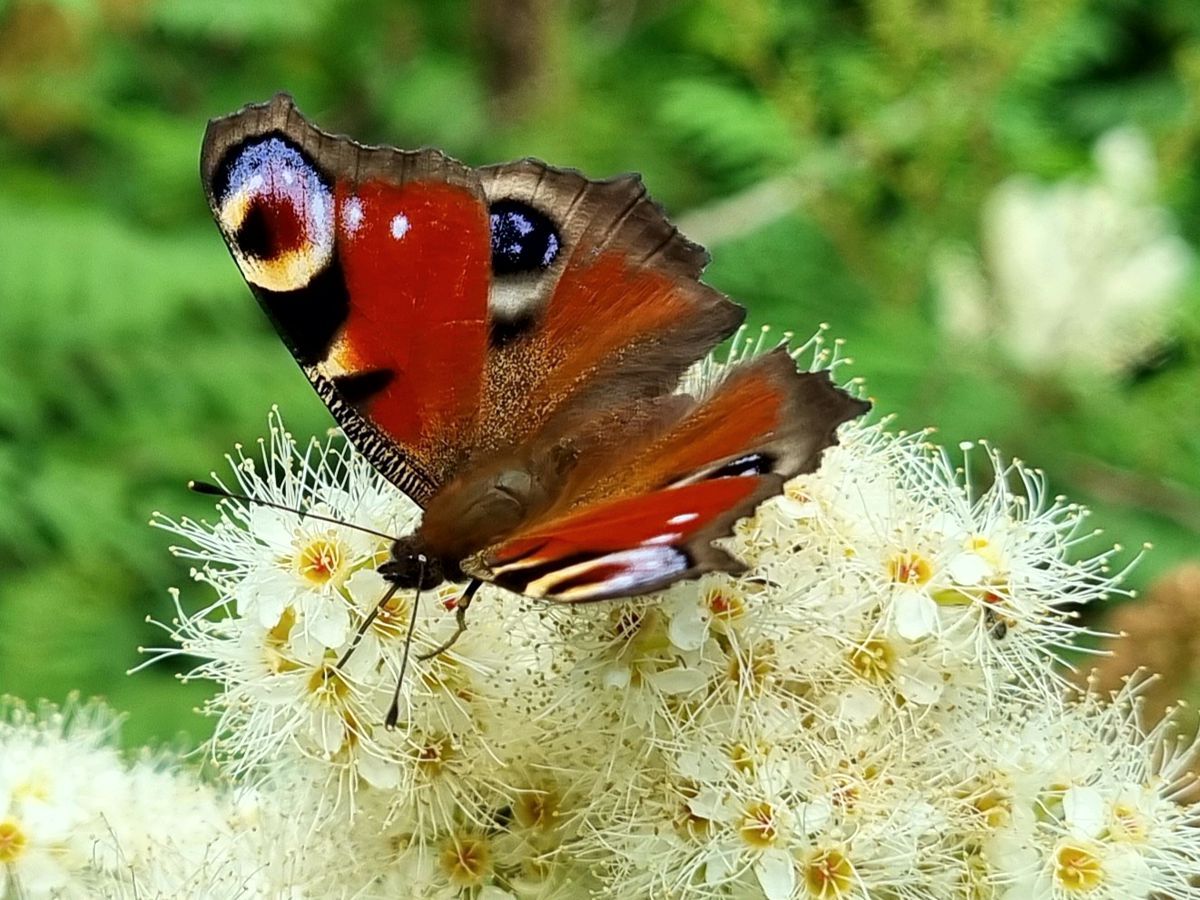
(366, 623)
(215, 490)
(393, 713)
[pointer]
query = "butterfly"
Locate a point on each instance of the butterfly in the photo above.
(506, 344)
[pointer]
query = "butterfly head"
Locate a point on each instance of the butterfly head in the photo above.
(412, 566)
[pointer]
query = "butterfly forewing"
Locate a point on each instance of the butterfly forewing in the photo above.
(374, 266)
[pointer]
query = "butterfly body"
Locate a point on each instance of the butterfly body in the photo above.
(506, 345)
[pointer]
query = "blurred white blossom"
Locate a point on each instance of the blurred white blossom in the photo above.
(1078, 276)
(80, 820)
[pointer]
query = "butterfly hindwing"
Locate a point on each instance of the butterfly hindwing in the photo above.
(649, 510)
(625, 547)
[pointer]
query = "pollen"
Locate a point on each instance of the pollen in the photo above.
(828, 874)
(644, 639)
(1128, 824)
(34, 787)
(466, 859)
(724, 604)
(12, 841)
(752, 667)
(746, 758)
(1049, 806)
(1077, 869)
(354, 731)
(689, 825)
(538, 808)
(392, 619)
(909, 568)
(794, 492)
(626, 624)
(995, 806)
(328, 684)
(283, 628)
(846, 792)
(276, 644)
(434, 755)
(321, 561)
(759, 827)
(874, 660)
(446, 674)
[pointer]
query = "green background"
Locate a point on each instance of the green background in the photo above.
(856, 138)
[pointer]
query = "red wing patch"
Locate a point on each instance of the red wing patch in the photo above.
(626, 547)
(415, 258)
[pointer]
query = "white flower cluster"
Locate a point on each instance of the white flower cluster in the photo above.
(79, 820)
(1078, 276)
(872, 711)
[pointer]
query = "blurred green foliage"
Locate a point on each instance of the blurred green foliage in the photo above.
(861, 136)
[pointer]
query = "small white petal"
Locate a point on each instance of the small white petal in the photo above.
(860, 705)
(678, 680)
(916, 614)
(813, 816)
(40, 873)
(328, 730)
(717, 866)
(919, 683)
(328, 621)
(617, 677)
(1083, 808)
(707, 804)
(381, 773)
(797, 509)
(268, 604)
(969, 569)
(274, 528)
(776, 874)
(689, 626)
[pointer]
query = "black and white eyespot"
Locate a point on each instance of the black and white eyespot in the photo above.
(276, 211)
(524, 240)
(526, 246)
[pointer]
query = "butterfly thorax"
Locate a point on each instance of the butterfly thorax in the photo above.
(472, 512)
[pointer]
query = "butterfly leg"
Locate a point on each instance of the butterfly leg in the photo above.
(460, 620)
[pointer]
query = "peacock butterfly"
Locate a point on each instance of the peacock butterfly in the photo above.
(505, 344)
